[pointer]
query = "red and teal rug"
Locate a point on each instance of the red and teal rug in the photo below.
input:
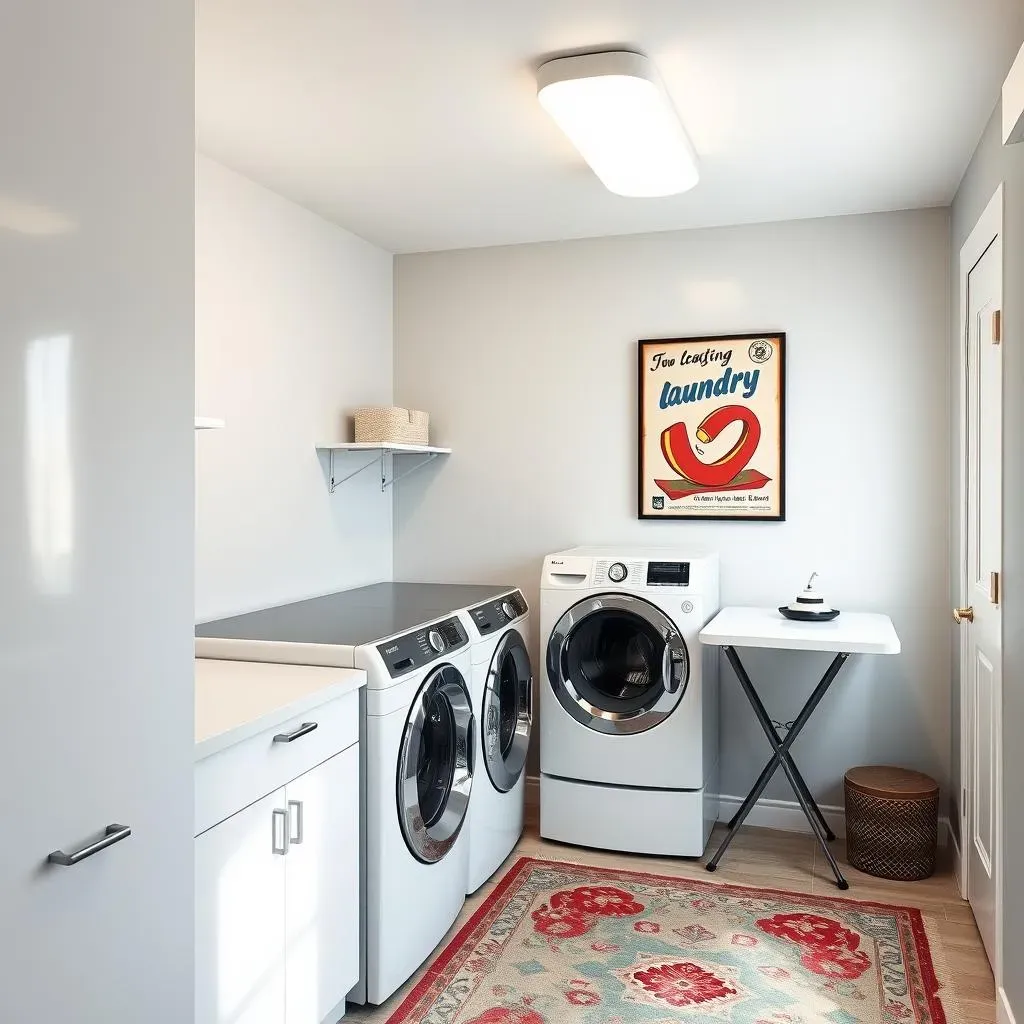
(559, 943)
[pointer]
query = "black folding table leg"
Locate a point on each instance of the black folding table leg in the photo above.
(781, 756)
(762, 781)
(801, 720)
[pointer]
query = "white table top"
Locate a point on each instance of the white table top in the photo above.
(850, 633)
(238, 699)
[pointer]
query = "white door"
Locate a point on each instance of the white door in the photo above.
(240, 916)
(96, 509)
(323, 888)
(981, 618)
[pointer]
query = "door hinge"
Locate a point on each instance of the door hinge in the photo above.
(993, 587)
(997, 327)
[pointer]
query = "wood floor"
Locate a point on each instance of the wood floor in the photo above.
(785, 860)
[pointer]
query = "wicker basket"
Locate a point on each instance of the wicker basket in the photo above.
(391, 425)
(892, 822)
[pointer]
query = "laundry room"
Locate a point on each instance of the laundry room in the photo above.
(518, 329)
(584, 593)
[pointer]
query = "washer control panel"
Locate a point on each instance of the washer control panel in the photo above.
(498, 613)
(407, 653)
(641, 574)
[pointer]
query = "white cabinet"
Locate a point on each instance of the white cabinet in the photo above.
(97, 377)
(240, 919)
(277, 880)
(322, 888)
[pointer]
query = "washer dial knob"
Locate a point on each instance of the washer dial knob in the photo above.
(435, 640)
(616, 572)
(508, 610)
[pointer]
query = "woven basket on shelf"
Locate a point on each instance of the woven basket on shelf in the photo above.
(391, 425)
(892, 822)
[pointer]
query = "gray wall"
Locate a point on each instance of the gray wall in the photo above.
(525, 357)
(994, 163)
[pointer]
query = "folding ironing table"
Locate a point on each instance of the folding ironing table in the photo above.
(850, 633)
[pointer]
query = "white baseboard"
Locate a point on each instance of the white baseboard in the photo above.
(532, 796)
(784, 815)
(958, 867)
(1004, 1015)
(788, 816)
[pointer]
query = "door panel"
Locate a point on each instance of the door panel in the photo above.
(96, 456)
(983, 635)
(322, 888)
(507, 712)
(435, 766)
(240, 917)
(617, 664)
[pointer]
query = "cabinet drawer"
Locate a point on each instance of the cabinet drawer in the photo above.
(232, 779)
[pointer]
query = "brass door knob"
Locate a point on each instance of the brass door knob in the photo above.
(963, 615)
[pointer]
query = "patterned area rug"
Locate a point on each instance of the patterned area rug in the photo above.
(574, 944)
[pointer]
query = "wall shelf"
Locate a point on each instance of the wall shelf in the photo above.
(384, 456)
(209, 423)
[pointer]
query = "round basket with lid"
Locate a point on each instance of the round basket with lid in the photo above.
(892, 822)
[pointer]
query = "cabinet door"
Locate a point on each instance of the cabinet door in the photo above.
(322, 888)
(97, 378)
(240, 916)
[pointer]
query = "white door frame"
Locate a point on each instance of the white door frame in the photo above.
(989, 226)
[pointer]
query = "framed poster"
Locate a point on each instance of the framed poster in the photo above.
(712, 428)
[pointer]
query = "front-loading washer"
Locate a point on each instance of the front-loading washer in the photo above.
(502, 690)
(420, 765)
(629, 702)
(417, 746)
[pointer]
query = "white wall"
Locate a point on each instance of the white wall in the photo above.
(293, 330)
(526, 359)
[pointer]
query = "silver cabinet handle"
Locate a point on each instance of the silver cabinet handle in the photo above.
(279, 817)
(289, 737)
(295, 839)
(112, 834)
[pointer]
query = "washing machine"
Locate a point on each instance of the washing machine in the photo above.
(420, 766)
(418, 744)
(502, 693)
(629, 703)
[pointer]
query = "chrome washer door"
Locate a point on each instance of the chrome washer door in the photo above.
(617, 664)
(507, 713)
(435, 765)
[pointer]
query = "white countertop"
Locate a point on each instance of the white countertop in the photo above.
(238, 699)
(849, 633)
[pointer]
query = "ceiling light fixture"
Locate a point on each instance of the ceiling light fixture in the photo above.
(615, 111)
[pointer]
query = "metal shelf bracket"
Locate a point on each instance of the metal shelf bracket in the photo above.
(337, 482)
(385, 482)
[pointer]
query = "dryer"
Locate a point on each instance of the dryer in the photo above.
(629, 704)
(420, 765)
(417, 749)
(502, 691)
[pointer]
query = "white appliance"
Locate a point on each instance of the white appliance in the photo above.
(420, 735)
(629, 703)
(418, 749)
(502, 692)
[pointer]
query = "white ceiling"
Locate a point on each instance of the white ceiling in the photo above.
(415, 124)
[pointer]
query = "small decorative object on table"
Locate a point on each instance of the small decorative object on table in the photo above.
(391, 425)
(892, 822)
(809, 605)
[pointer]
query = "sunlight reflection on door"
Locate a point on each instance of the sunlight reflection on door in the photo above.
(49, 483)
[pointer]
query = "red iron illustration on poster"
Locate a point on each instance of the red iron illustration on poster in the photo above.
(711, 412)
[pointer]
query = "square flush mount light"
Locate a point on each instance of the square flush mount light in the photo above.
(615, 111)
